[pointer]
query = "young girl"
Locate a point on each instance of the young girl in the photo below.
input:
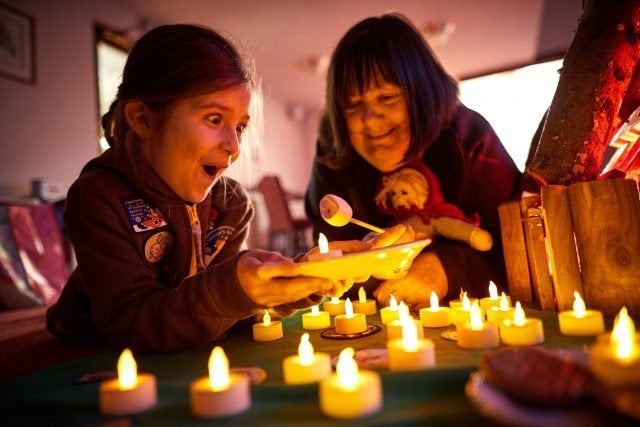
(157, 230)
(391, 105)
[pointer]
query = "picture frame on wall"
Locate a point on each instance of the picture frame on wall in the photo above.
(17, 45)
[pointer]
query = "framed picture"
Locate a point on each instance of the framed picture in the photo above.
(17, 45)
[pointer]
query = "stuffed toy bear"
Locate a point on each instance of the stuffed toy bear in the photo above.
(412, 196)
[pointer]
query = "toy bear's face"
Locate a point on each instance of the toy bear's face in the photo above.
(404, 195)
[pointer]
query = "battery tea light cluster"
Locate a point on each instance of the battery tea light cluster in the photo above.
(616, 361)
(220, 394)
(521, 330)
(580, 321)
(316, 319)
(350, 322)
(476, 334)
(497, 314)
(365, 305)
(394, 328)
(435, 316)
(307, 366)
(267, 330)
(493, 300)
(350, 393)
(130, 392)
(410, 353)
(389, 313)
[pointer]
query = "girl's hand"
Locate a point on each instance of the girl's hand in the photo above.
(270, 279)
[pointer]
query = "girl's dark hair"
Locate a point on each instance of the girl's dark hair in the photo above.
(391, 47)
(171, 63)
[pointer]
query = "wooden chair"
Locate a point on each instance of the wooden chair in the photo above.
(286, 234)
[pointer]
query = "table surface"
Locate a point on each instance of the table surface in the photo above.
(435, 396)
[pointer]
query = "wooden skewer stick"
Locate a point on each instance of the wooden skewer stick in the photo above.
(365, 225)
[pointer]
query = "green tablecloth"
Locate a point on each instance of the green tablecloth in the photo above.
(431, 397)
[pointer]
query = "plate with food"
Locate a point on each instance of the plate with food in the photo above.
(393, 258)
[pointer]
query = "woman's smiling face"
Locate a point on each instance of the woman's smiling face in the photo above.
(199, 140)
(379, 125)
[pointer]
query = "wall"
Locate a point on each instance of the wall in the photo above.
(50, 129)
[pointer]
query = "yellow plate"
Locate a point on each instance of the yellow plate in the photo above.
(360, 264)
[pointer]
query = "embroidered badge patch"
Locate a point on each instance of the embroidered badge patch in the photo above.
(142, 216)
(215, 240)
(158, 245)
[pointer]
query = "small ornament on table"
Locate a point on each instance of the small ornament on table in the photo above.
(394, 328)
(493, 300)
(316, 319)
(389, 313)
(410, 353)
(501, 312)
(476, 334)
(435, 316)
(220, 394)
(616, 361)
(325, 253)
(267, 330)
(306, 366)
(350, 393)
(334, 306)
(521, 330)
(365, 305)
(580, 321)
(350, 323)
(130, 392)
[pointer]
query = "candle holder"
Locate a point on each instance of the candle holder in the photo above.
(221, 393)
(580, 321)
(435, 316)
(267, 330)
(476, 334)
(363, 305)
(350, 393)
(306, 366)
(521, 330)
(131, 392)
(334, 306)
(316, 319)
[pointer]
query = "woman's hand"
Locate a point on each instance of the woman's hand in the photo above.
(271, 279)
(426, 274)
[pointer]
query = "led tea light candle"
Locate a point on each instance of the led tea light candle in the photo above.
(394, 328)
(350, 392)
(501, 312)
(325, 253)
(334, 306)
(220, 394)
(130, 392)
(493, 300)
(365, 306)
(476, 334)
(306, 366)
(616, 362)
(435, 316)
(461, 314)
(316, 319)
(580, 321)
(410, 353)
(267, 330)
(459, 303)
(389, 313)
(521, 330)
(350, 322)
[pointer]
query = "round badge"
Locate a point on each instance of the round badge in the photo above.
(158, 245)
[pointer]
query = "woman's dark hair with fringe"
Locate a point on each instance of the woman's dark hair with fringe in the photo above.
(390, 47)
(171, 63)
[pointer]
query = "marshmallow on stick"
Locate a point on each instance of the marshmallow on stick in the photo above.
(337, 212)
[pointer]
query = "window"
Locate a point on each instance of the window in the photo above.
(111, 55)
(514, 102)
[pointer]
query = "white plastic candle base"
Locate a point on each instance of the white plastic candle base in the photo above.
(115, 401)
(363, 400)
(207, 403)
